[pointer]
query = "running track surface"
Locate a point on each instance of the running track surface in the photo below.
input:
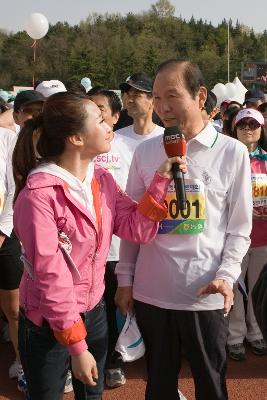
(246, 380)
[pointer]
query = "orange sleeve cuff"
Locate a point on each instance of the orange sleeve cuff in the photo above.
(151, 209)
(74, 334)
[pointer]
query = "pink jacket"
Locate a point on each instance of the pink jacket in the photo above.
(58, 290)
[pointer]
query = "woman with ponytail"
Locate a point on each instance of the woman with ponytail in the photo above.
(25, 154)
(65, 212)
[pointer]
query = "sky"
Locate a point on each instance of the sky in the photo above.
(14, 13)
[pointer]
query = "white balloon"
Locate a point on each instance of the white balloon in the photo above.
(231, 89)
(87, 84)
(36, 26)
(242, 89)
(220, 90)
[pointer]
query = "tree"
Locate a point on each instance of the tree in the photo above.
(163, 8)
(151, 61)
(110, 47)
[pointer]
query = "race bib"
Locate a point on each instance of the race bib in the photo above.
(109, 161)
(259, 189)
(189, 221)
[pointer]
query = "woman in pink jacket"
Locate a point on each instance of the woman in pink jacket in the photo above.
(65, 213)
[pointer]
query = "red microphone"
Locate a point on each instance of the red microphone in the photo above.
(175, 145)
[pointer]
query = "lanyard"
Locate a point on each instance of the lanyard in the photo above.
(258, 154)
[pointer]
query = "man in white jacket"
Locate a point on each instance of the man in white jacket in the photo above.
(182, 282)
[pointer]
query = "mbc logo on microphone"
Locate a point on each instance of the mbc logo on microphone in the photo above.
(173, 138)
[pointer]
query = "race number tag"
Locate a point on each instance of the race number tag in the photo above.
(189, 221)
(259, 189)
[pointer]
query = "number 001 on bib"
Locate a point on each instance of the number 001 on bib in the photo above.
(189, 221)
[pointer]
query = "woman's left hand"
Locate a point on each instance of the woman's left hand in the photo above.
(84, 368)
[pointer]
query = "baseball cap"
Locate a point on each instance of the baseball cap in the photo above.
(47, 88)
(139, 81)
(227, 101)
(130, 343)
(249, 113)
(254, 95)
(27, 97)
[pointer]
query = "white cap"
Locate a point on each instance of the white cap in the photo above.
(249, 113)
(47, 88)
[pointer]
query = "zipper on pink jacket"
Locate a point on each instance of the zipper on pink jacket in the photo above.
(99, 242)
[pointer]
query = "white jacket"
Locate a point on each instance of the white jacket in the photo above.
(8, 140)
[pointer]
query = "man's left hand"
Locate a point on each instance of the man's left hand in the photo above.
(219, 286)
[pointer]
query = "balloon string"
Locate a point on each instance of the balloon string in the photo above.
(33, 46)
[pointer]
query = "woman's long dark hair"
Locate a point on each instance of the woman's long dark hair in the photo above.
(24, 158)
(63, 115)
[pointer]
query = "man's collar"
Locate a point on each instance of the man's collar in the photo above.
(207, 137)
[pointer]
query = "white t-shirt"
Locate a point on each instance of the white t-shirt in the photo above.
(129, 132)
(117, 161)
(8, 140)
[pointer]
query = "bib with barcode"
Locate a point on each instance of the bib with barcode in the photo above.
(189, 221)
(259, 189)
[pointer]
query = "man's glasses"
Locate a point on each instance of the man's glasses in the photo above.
(251, 124)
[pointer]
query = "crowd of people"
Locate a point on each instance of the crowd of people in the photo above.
(90, 224)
